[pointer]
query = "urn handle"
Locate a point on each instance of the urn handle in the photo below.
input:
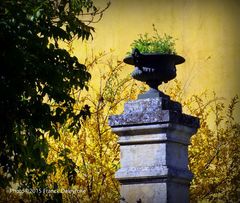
(136, 56)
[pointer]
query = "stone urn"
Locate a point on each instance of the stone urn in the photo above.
(153, 69)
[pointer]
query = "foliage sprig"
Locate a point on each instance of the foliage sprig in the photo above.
(155, 44)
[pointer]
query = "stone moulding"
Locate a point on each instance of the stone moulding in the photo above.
(155, 133)
(149, 174)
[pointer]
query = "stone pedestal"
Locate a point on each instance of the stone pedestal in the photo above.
(154, 136)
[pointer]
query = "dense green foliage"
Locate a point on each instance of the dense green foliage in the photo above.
(36, 79)
(155, 43)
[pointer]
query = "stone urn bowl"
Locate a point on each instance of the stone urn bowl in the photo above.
(153, 68)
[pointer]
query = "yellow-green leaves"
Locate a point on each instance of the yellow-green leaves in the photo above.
(155, 44)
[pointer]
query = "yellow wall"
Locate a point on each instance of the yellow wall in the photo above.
(207, 33)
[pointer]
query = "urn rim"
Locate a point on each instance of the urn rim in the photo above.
(154, 57)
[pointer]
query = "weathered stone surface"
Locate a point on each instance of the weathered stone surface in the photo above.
(153, 133)
(154, 136)
(156, 173)
(154, 151)
(155, 193)
(152, 110)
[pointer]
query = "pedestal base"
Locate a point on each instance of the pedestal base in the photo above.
(154, 136)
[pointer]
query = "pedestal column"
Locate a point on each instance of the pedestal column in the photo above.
(154, 136)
